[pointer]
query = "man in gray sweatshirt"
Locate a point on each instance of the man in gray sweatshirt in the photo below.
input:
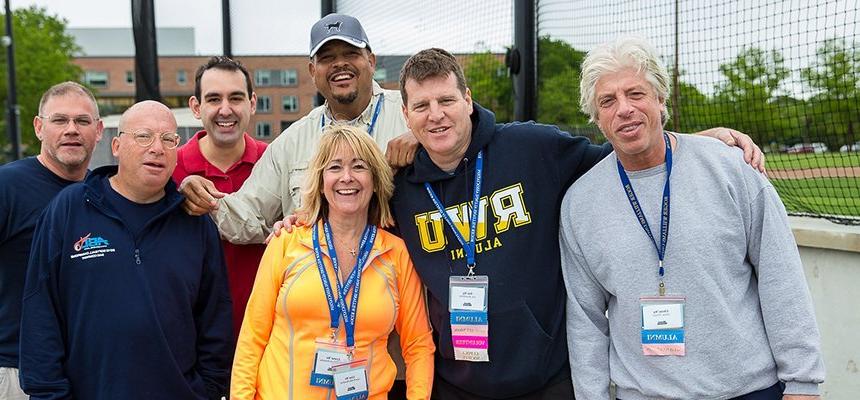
(708, 304)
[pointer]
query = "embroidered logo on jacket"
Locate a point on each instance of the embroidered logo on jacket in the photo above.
(509, 210)
(89, 247)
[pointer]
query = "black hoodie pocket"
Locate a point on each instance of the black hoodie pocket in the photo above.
(518, 354)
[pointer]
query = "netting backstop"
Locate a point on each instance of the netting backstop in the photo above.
(785, 72)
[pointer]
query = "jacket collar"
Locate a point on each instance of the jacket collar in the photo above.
(94, 190)
(306, 233)
(483, 129)
(367, 115)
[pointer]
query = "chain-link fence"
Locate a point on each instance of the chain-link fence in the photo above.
(785, 72)
(477, 32)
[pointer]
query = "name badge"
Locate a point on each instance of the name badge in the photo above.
(468, 298)
(350, 380)
(328, 354)
(662, 331)
(467, 304)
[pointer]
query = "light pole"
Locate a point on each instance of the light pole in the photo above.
(12, 111)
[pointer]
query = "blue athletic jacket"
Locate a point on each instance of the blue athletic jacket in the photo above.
(109, 315)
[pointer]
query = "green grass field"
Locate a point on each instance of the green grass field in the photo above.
(834, 196)
(809, 160)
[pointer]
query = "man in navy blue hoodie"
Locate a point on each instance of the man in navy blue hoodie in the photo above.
(517, 349)
(68, 127)
(526, 168)
(126, 295)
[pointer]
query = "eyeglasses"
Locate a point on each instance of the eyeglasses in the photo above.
(145, 138)
(62, 120)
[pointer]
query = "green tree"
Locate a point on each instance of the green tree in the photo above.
(834, 112)
(491, 84)
(746, 100)
(693, 112)
(559, 68)
(43, 57)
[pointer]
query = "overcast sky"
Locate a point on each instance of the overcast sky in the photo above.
(282, 27)
(261, 32)
(712, 32)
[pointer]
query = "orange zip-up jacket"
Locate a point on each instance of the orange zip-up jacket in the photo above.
(288, 312)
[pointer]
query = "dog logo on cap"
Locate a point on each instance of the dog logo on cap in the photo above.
(333, 27)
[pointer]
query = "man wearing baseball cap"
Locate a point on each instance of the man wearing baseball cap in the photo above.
(338, 27)
(342, 67)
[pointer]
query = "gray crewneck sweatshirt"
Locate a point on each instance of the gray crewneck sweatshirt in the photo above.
(748, 315)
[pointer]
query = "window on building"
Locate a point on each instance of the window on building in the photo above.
(110, 133)
(186, 132)
(96, 79)
(380, 75)
(285, 125)
(129, 77)
(264, 129)
(289, 77)
(264, 104)
(263, 77)
(290, 103)
(181, 77)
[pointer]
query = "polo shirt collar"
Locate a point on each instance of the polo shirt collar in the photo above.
(196, 162)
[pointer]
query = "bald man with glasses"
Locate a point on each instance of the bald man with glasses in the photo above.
(126, 295)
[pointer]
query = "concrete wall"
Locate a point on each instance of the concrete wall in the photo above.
(831, 260)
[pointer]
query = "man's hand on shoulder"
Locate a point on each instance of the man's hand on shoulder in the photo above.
(800, 397)
(201, 197)
(287, 225)
(752, 153)
(401, 150)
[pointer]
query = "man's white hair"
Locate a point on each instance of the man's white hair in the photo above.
(625, 52)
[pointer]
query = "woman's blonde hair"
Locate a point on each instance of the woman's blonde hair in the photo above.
(314, 204)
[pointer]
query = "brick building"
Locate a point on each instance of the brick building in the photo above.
(285, 91)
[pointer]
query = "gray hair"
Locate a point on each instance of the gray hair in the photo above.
(66, 88)
(624, 52)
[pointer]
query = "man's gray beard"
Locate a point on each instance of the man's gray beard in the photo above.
(348, 99)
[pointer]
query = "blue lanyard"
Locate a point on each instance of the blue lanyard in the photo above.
(372, 119)
(473, 219)
(664, 214)
(339, 305)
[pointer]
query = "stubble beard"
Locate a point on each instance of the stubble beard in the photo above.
(346, 99)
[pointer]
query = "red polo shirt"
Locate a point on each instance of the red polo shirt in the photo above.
(242, 260)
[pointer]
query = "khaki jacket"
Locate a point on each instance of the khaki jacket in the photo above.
(274, 187)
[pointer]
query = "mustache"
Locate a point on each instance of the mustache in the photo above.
(342, 69)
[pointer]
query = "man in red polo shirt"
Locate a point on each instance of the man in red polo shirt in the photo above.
(224, 153)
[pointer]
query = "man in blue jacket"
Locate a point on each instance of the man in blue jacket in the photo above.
(126, 295)
(68, 128)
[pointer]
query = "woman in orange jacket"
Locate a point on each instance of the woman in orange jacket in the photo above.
(305, 334)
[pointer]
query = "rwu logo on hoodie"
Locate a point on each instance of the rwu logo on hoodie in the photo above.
(507, 206)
